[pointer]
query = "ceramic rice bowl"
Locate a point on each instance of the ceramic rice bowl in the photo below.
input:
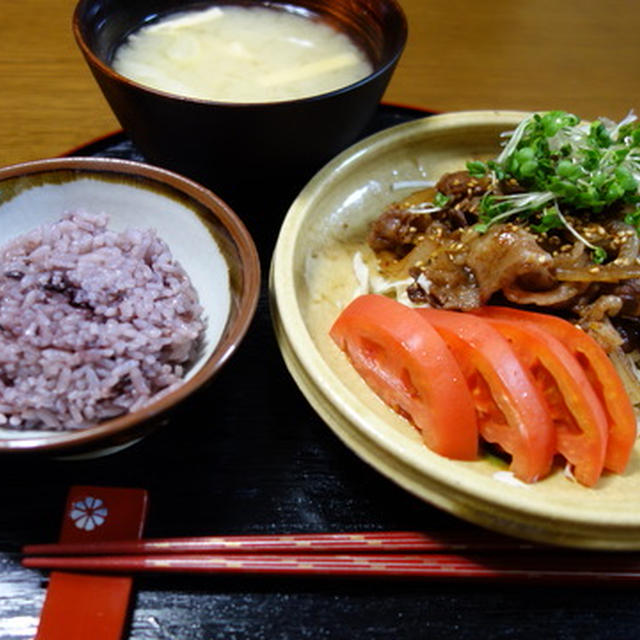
(202, 233)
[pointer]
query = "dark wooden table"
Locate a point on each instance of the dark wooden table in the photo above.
(249, 456)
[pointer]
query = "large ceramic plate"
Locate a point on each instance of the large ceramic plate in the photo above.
(312, 278)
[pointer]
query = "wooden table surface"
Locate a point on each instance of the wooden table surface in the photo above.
(525, 54)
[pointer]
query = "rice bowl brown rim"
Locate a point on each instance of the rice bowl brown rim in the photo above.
(234, 332)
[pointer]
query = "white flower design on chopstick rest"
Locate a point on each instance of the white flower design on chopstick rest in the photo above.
(88, 513)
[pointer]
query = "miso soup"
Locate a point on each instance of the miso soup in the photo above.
(241, 54)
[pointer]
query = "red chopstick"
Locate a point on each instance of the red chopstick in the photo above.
(372, 542)
(574, 567)
(471, 554)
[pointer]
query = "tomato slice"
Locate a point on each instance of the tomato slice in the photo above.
(408, 365)
(576, 410)
(511, 410)
(621, 421)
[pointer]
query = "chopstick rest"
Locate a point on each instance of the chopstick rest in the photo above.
(79, 606)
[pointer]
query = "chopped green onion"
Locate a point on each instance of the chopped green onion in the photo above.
(564, 163)
(440, 200)
(477, 169)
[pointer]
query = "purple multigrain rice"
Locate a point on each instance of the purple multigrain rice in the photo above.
(93, 323)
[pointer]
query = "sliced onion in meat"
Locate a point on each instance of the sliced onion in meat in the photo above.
(629, 248)
(628, 373)
(605, 306)
(624, 267)
(598, 273)
(560, 294)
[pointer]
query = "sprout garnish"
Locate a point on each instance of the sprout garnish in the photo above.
(564, 163)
